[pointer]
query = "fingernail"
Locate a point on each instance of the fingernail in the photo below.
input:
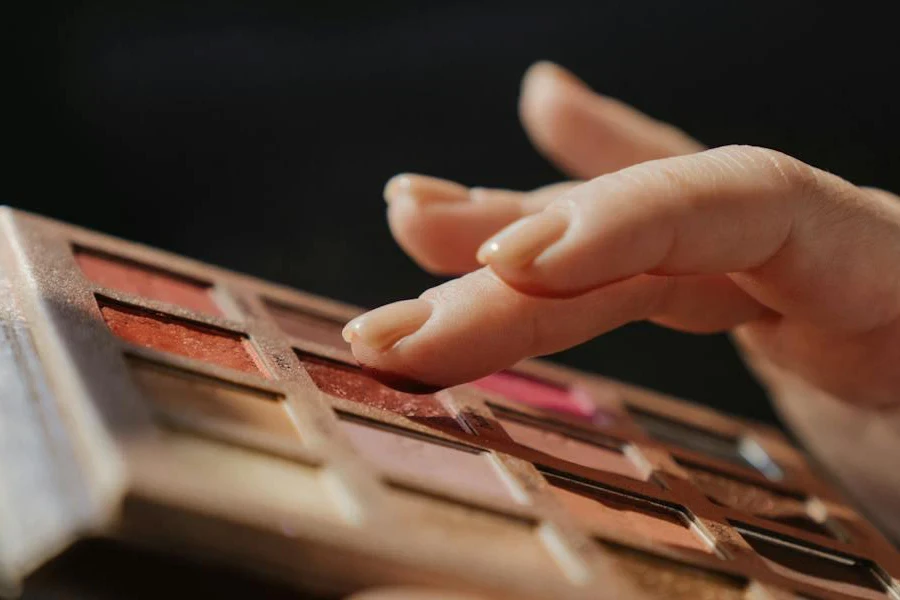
(424, 189)
(385, 326)
(523, 241)
(551, 69)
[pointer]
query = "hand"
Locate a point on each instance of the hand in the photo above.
(802, 266)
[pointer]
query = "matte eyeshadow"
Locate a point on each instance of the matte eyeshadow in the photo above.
(178, 392)
(838, 574)
(755, 499)
(454, 468)
(305, 325)
(570, 449)
(178, 336)
(665, 579)
(596, 507)
(538, 394)
(350, 383)
(145, 281)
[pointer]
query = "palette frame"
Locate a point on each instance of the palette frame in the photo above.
(113, 440)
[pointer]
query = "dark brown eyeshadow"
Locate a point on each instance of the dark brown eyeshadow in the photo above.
(702, 441)
(833, 571)
(350, 383)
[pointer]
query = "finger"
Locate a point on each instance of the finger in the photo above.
(588, 134)
(441, 224)
(414, 593)
(485, 325)
(800, 241)
(884, 195)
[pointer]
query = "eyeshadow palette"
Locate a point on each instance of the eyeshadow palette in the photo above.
(152, 401)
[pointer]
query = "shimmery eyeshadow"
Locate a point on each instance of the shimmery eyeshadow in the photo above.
(178, 392)
(454, 468)
(306, 325)
(746, 496)
(349, 383)
(664, 579)
(178, 336)
(540, 394)
(146, 281)
(604, 509)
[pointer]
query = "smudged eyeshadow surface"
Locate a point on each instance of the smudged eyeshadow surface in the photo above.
(835, 573)
(570, 449)
(179, 392)
(305, 325)
(461, 469)
(754, 499)
(177, 336)
(538, 394)
(666, 579)
(596, 507)
(349, 383)
(145, 281)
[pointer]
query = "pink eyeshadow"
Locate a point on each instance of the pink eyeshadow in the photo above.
(350, 383)
(145, 281)
(178, 336)
(541, 395)
(455, 469)
(572, 450)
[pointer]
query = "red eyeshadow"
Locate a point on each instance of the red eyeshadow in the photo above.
(349, 383)
(169, 334)
(543, 395)
(145, 281)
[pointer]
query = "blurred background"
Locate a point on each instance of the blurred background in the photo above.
(258, 136)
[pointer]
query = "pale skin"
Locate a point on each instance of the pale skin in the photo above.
(800, 266)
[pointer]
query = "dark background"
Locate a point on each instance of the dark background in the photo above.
(258, 136)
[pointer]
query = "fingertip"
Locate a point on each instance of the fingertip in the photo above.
(396, 186)
(424, 189)
(546, 85)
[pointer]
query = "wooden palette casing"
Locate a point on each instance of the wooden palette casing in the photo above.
(155, 400)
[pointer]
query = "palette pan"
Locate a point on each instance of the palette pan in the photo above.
(739, 451)
(152, 400)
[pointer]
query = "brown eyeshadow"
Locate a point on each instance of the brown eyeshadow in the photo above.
(177, 392)
(179, 336)
(306, 325)
(816, 567)
(755, 499)
(614, 511)
(565, 447)
(146, 281)
(350, 383)
(665, 579)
